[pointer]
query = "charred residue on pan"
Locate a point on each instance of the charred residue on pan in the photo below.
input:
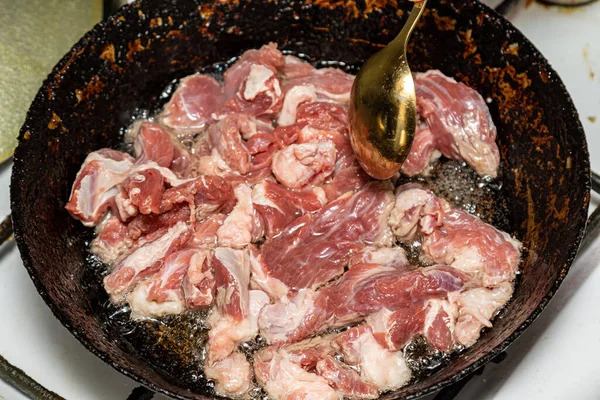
(535, 182)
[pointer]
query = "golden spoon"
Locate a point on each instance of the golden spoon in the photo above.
(383, 106)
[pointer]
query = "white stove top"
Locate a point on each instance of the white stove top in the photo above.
(554, 359)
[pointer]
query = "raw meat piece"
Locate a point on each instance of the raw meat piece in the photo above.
(348, 177)
(346, 380)
(476, 307)
(341, 142)
(226, 137)
(422, 152)
(279, 206)
(204, 195)
(144, 261)
(232, 275)
(304, 165)
(363, 290)
(296, 68)
(226, 333)
(459, 120)
(324, 116)
(199, 281)
(471, 245)
(314, 249)
(111, 240)
(251, 84)
(292, 100)
(232, 375)
(142, 225)
(286, 135)
(242, 225)
(95, 186)
(205, 235)
(329, 83)
(161, 294)
(197, 97)
(434, 319)
(384, 368)
(416, 210)
(260, 275)
(153, 143)
(282, 375)
(145, 190)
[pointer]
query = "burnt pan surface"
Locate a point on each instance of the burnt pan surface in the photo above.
(122, 67)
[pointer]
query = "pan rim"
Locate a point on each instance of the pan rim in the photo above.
(81, 335)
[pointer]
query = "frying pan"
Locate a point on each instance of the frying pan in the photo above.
(121, 68)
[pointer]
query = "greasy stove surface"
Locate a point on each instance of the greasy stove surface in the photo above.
(38, 344)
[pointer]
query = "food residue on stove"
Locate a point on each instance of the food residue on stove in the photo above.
(588, 63)
(245, 198)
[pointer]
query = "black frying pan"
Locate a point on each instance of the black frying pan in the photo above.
(119, 69)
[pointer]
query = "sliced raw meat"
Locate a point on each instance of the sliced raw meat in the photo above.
(227, 138)
(232, 375)
(279, 206)
(348, 177)
(324, 116)
(296, 68)
(161, 294)
(204, 195)
(476, 307)
(314, 249)
(199, 281)
(153, 143)
(454, 237)
(205, 235)
(416, 210)
(345, 379)
(384, 368)
(232, 275)
(142, 225)
(112, 240)
(329, 83)
(469, 244)
(242, 226)
(434, 319)
(364, 290)
(422, 152)
(282, 375)
(145, 190)
(292, 101)
(341, 142)
(226, 333)
(260, 275)
(144, 261)
(459, 120)
(304, 165)
(95, 186)
(197, 97)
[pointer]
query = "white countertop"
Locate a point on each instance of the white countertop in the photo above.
(556, 358)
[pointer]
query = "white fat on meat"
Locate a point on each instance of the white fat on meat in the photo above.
(476, 307)
(301, 165)
(386, 369)
(415, 209)
(142, 308)
(292, 100)
(232, 375)
(286, 380)
(237, 229)
(226, 334)
(384, 256)
(125, 273)
(277, 320)
(256, 82)
(260, 276)
(96, 184)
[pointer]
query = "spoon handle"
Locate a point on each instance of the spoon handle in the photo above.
(411, 22)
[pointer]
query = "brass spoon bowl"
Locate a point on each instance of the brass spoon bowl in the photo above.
(383, 106)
